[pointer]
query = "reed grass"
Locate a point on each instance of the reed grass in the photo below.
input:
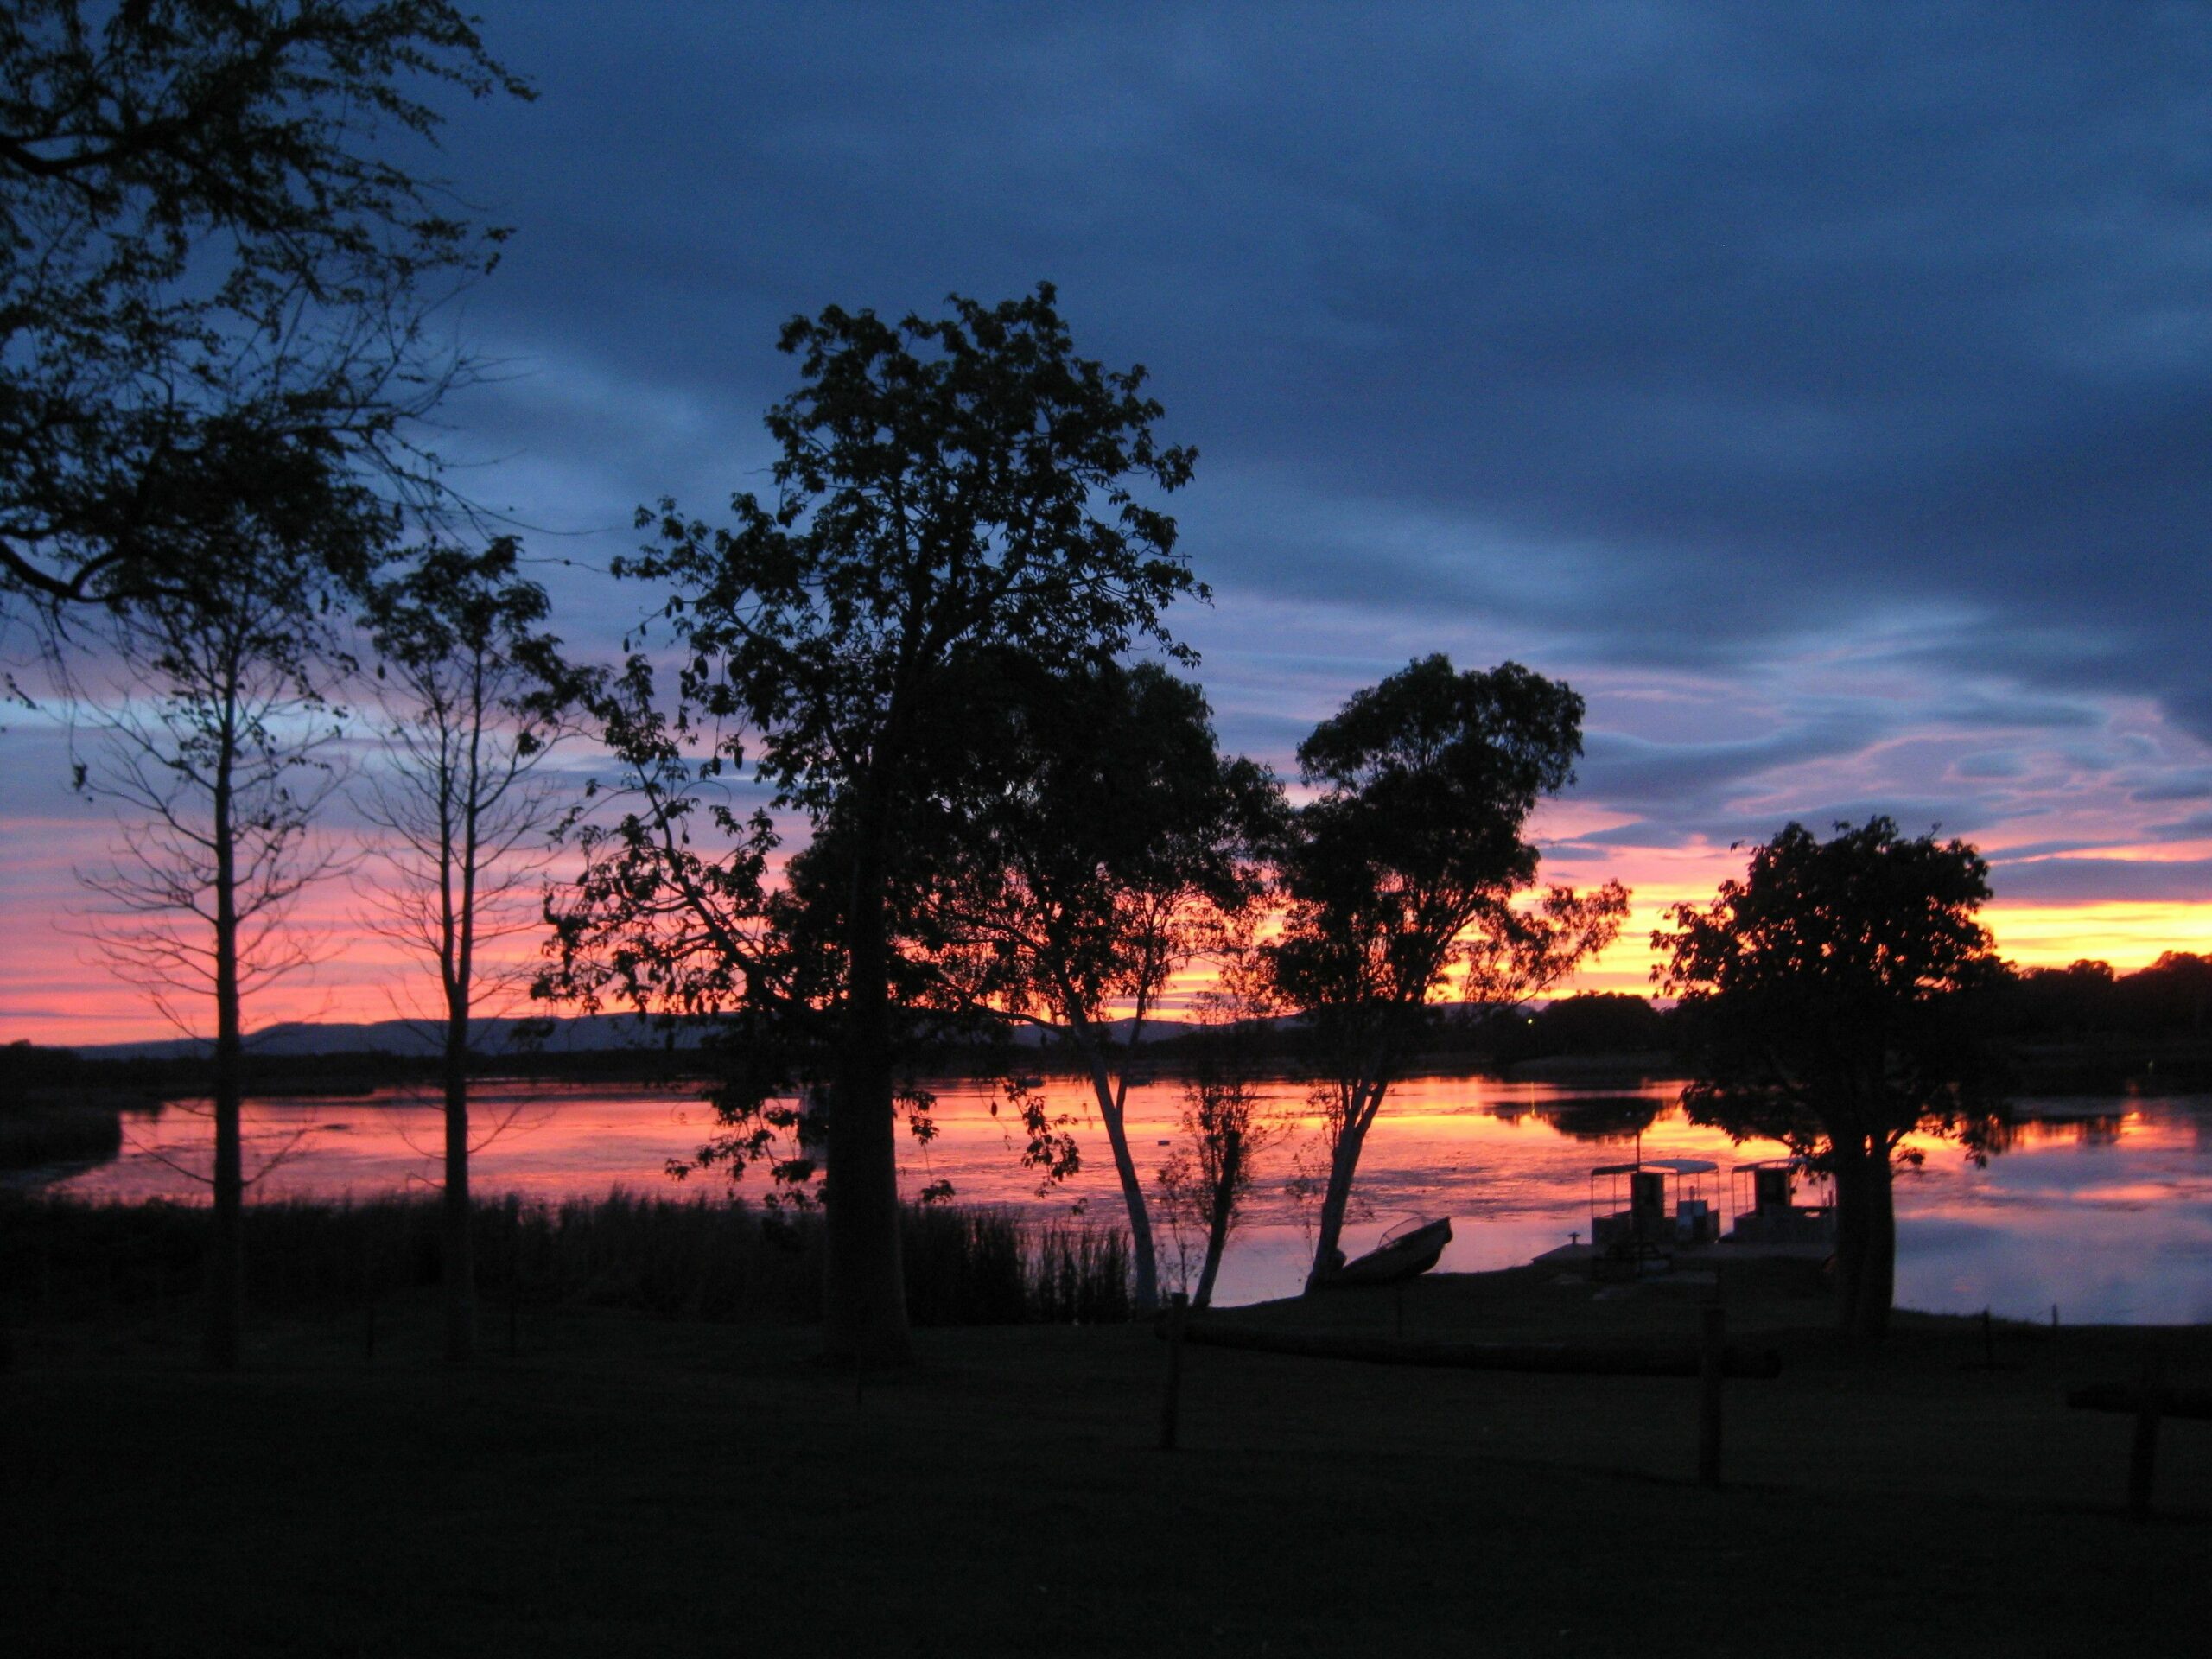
(701, 1258)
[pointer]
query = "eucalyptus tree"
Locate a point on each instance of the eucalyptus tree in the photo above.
(1400, 880)
(474, 694)
(217, 750)
(1108, 849)
(1836, 999)
(943, 487)
(217, 273)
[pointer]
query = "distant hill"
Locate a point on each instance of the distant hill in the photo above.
(589, 1033)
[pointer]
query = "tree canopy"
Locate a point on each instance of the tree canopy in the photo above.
(1834, 999)
(1107, 847)
(215, 271)
(948, 489)
(1401, 875)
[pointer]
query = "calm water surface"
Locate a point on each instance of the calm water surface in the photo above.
(2104, 1210)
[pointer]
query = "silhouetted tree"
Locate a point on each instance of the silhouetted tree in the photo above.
(1600, 1022)
(1834, 1001)
(2070, 1002)
(1108, 846)
(1401, 877)
(2173, 993)
(945, 487)
(1226, 1121)
(216, 271)
(474, 694)
(217, 755)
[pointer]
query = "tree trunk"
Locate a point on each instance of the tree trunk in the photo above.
(1141, 1251)
(1879, 1274)
(864, 1306)
(458, 1206)
(1865, 1238)
(226, 1333)
(1850, 1220)
(1221, 1214)
(1343, 1163)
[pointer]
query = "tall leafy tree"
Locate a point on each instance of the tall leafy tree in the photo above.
(1107, 847)
(944, 486)
(1835, 999)
(217, 754)
(1401, 876)
(475, 694)
(217, 271)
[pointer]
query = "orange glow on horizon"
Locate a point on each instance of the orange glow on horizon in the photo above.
(49, 995)
(55, 990)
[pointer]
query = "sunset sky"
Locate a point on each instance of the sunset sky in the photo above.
(1825, 392)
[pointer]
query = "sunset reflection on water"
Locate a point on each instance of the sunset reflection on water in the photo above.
(2104, 1210)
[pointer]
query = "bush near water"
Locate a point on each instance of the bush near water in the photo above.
(722, 1260)
(38, 1133)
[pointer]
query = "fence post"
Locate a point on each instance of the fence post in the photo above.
(514, 1282)
(1179, 1308)
(368, 1292)
(1713, 1333)
(2143, 1455)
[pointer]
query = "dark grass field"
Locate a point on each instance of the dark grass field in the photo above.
(632, 1485)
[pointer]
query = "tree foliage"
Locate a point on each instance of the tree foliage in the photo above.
(1107, 848)
(1405, 873)
(1835, 998)
(946, 489)
(216, 272)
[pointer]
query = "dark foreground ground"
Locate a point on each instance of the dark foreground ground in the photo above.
(626, 1485)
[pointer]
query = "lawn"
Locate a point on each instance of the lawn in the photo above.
(631, 1485)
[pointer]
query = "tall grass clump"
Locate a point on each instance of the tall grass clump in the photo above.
(693, 1257)
(1080, 1276)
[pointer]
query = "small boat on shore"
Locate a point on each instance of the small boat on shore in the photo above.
(1407, 1250)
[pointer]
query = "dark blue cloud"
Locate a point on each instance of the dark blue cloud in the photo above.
(2101, 881)
(1673, 334)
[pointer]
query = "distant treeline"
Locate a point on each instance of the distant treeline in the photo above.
(2083, 1024)
(29, 1072)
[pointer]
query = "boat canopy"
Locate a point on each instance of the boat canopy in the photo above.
(1677, 1166)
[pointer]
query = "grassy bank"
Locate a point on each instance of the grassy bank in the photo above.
(716, 1260)
(648, 1485)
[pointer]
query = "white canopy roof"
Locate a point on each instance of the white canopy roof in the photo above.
(1672, 1165)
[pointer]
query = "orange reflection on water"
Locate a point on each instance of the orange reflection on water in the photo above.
(2107, 1214)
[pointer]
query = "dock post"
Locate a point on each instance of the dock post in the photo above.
(2143, 1455)
(1179, 1308)
(1713, 1332)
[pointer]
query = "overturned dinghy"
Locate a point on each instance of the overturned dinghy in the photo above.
(1407, 1250)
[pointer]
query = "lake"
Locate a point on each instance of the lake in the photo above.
(2100, 1207)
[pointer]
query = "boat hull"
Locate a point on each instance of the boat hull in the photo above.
(1399, 1259)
